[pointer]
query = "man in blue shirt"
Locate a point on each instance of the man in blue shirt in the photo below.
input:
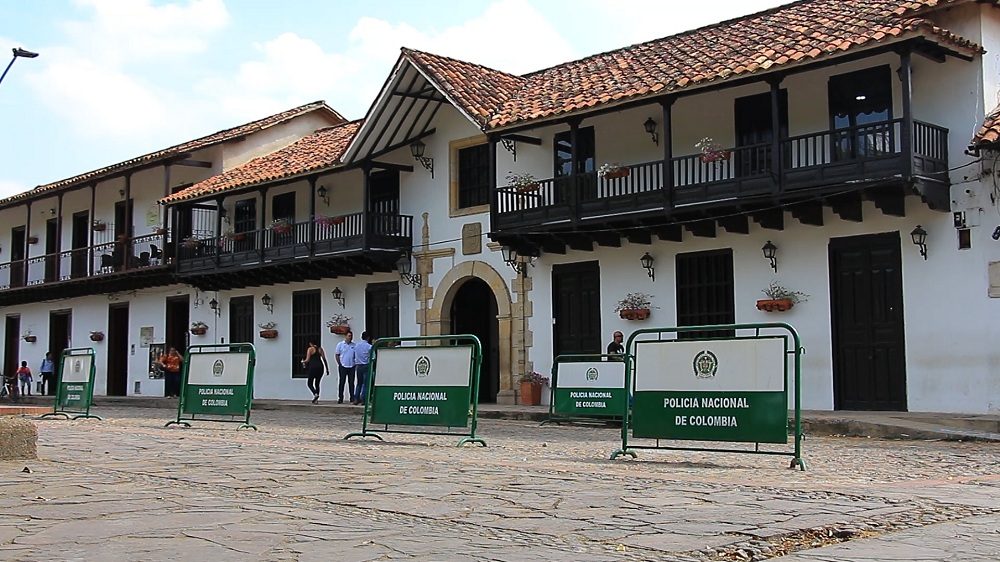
(345, 365)
(48, 370)
(362, 354)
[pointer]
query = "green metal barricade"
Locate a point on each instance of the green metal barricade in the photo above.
(75, 384)
(587, 388)
(417, 385)
(217, 385)
(727, 383)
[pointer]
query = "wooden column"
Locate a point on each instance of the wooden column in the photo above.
(126, 244)
(218, 231)
(166, 192)
(59, 235)
(776, 171)
(262, 231)
(574, 183)
(494, 195)
(668, 152)
(90, 245)
(27, 248)
(312, 215)
(906, 129)
(366, 170)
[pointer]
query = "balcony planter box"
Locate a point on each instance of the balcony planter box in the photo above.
(634, 313)
(160, 231)
(775, 305)
(269, 334)
(199, 331)
(526, 188)
(710, 157)
(32, 240)
(618, 173)
(531, 394)
(96, 336)
(99, 226)
(340, 330)
(30, 339)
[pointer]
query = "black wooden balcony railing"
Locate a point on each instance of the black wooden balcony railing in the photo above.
(103, 259)
(868, 152)
(325, 238)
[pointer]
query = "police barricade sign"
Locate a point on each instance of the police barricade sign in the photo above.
(587, 387)
(427, 386)
(217, 384)
(75, 384)
(730, 389)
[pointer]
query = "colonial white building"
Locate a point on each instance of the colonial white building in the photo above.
(838, 133)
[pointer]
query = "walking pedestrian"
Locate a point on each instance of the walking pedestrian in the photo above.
(345, 365)
(48, 370)
(362, 354)
(171, 364)
(315, 365)
(616, 350)
(24, 376)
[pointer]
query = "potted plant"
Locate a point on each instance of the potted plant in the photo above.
(522, 183)
(96, 335)
(612, 170)
(338, 324)
(323, 220)
(711, 151)
(531, 388)
(98, 225)
(635, 306)
(231, 236)
(281, 226)
(29, 337)
(199, 328)
(191, 243)
(268, 330)
(32, 239)
(780, 299)
(159, 231)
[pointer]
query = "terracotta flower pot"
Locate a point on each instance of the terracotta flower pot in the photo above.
(527, 188)
(634, 313)
(619, 173)
(775, 305)
(32, 240)
(99, 226)
(31, 339)
(340, 330)
(199, 331)
(269, 334)
(97, 336)
(531, 394)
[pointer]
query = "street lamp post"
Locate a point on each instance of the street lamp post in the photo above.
(18, 52)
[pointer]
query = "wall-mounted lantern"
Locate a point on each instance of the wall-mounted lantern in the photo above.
(214, 305)
(770, 250)
(417, 150)
(338, 296)
(324, 195)
(405, 265)
(647, 263)
(919, 236)
(650, 127)
(267, 302)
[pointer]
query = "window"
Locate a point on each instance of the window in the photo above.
(861, 113)
(705, 292)
(584, 186)
(474, 176)
(305, 327)
(241, 327)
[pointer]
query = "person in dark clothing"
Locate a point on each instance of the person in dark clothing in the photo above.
(615, 349)
(48, 370)
(315, 364)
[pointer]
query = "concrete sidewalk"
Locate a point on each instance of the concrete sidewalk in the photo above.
(886, 425)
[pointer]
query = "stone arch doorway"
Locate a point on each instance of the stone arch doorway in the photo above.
(438, 319)
(474, 311)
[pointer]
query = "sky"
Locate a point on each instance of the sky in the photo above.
(116, 79)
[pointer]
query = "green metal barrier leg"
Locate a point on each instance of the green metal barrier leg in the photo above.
(623, 452)
(798, 461)
(364, 434)
(247, 425)
(64, 415)
(177, 422)
(92, 416)
(465, 440)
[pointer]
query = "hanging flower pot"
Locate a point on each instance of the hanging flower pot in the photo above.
(269, 334)
(99, 226)
(199, 328)
(634, 313)
(30, 338)
(32, 239)
(160, 231)
(340, 330)
(96, 336)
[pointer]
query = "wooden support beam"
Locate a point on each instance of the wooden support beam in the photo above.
(738, 224)
(773, 219)
(523, 138)
(705, 229)
(391, 166)
(847, 206)
(607, 239)
(551, 245)
(891, 199)
(670, 232)
(637, 236)
(192, 163)
(808, 212)
(577, 242)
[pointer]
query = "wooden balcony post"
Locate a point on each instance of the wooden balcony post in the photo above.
(494, 194)
(90, 231)
(262, 231)
(906, 134)
(366, 170)
(668, 152)
(312, 215)
(126, 246)
(574, 178)
(59, 234)
(27, 248)
(166, 192)
(776, 170)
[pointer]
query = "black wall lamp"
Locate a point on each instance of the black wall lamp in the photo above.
(647, 263)
(919, 236)
(324, 195)
(517, 262)
(338, 296)
(214, 305)
(405, 265)
(417, 150)
(650, 127)
(770, 250)
(267, 302)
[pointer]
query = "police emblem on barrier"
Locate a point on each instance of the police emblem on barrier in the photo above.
(218, 368)
(592, 374)
(77, 366)
(422, 366)
(705, 364)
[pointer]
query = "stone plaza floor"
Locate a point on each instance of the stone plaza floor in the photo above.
(128, 489)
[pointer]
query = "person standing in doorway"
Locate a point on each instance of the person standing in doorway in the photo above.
(24, 377)
(345, 365)
(171, 364)
(362, 355)
(315, 365)
(48, 370)
(616, 350)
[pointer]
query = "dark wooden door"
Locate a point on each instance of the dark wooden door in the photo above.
(869, 359)
(11, 347)
(17, 252)
(576, 308)
(754, 127)
(245, 221)
(51, 250)
(241, 326)
(861, 101)
(705, 292)
(79, 243)
(178, 313)
(381, 310)
(564, 168)
(474, 311)
(117, 349)
(306, 322)
(59, 332)
(283, 207)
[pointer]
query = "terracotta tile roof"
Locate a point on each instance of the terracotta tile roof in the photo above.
(989, 133)
(802, 31)
(320, 150)
(492, 88)
(180, 149)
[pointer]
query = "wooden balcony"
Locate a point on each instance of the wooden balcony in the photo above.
(811, 166)
(102, 268)
(349, 245)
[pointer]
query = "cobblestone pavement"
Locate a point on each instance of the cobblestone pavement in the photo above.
(128, 489)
